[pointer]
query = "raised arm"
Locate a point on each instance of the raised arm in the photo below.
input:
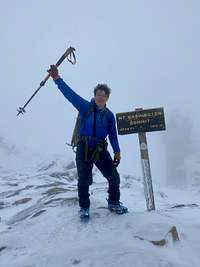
(76, 100)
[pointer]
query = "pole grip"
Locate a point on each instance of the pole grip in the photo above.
(68, 52)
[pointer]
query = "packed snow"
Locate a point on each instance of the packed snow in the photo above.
(40, 226)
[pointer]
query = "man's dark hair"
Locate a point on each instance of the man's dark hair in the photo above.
(102, 87)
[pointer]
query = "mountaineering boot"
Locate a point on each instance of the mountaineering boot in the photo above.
(84, 214)
(117, 208)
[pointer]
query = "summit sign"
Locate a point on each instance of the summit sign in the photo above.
(145, 120)
(141, 121)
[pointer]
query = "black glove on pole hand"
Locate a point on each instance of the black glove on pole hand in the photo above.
(117, 158)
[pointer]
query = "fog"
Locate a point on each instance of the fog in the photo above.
(146, 51)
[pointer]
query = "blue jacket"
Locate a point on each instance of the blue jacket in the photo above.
(105, 125)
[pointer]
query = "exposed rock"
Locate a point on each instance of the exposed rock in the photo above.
(163, 195)
(63, 201)
(12, 184)
(50, 185)
(22, 215)
(22, 201)
(55, 190)
(49, 166)
(71, 165)
(69, 175)
(12, 193)
(54, 200)
(59, 174)
(2, 248)
(75, 262)
(185, 205)
(2, 204)
(38, 213)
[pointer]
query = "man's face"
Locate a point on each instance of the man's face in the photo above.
(100, 98)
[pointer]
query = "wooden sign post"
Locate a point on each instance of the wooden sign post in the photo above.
(148, 187)
(141, 121)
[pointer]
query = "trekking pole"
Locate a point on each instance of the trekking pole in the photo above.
(70, 55)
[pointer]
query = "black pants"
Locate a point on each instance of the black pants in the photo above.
(84, 168)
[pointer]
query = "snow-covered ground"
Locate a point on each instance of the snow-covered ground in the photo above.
(40, 227)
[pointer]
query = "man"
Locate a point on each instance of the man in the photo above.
(96, 123)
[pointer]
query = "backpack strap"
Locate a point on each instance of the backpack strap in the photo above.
(76, 132)
(75, 135)
(95, 122)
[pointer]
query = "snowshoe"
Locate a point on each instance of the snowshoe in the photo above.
(84, 214)
(117, 208)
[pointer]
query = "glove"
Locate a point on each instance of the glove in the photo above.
(117, 158)
(53, 71)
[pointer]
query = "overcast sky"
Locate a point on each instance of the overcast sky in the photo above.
(146, 51)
